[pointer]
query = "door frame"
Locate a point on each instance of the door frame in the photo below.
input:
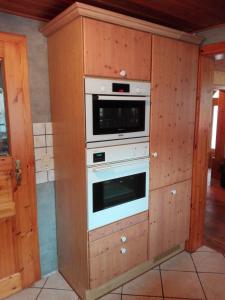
(199, 183)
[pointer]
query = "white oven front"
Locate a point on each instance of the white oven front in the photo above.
(116, 191)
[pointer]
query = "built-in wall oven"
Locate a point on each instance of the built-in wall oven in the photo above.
(117, 183)
(116, 110)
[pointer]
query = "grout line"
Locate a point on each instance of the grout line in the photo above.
(199, 277)
(160, 273)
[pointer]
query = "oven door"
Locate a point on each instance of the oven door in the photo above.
(117, 191)
(116, 117)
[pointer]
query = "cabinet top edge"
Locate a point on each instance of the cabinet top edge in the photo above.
(83, 10)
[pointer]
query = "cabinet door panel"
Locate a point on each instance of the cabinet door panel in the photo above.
(169, 217)
(111, 256)
(109, 48)
(174, 81)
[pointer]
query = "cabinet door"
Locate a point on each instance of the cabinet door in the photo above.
(110, 49)
(174, 82)
(169, 217)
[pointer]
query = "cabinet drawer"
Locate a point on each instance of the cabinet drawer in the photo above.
(114, 254)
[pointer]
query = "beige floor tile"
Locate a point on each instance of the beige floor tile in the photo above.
(148, 284)
(213, 285)
(111, 297)
(57, 295)
(131, 297)
(205, 249)
(56, 281)
(40, 283)
(181, 285)
(181, 262)
(28, 294)
(209, 262)
(117, 291)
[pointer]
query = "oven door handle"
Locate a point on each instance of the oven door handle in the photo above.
(113, 165)
(123, 98)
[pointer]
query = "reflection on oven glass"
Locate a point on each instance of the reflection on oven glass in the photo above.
(117, 191)
(4, 149)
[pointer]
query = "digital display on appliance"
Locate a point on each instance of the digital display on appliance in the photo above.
(120, 87)
(98, 157)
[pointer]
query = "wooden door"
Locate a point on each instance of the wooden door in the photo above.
(169, 218)
(19, 256)
(110, 49)
(174, 83)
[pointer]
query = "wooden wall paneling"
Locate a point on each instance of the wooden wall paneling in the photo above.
(174, 81)
(68, 111)
(20, 129)
(201, 152)
(110, 48)
(169, 218)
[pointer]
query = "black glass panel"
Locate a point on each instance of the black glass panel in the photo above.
(117, 191)
(4, 147)
(113, 116)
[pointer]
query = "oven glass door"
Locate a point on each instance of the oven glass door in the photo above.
(115, 117)
(117, 191)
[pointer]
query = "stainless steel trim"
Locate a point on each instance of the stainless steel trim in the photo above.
(123, 98)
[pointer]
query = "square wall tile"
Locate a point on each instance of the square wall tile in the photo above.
(38, 128)
(39, 153)
(49, 140)
(39, 141)
(50, 152)
(51, 175)
(41, 177)
(48, 128)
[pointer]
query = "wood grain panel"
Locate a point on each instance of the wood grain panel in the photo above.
(20, 131)
(67, 105)
(201, 152)
(10, 285)
(109, 48)
(187, 15)
(116, 226)
(169, 218)
(174, 82)
(106, 259)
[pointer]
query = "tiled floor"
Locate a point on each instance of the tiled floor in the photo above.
(197, 276)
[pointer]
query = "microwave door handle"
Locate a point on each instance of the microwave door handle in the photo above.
(123, 98)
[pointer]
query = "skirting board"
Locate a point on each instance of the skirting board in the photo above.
(10, 285)
(131, 274)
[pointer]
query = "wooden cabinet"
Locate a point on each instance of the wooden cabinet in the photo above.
(174, 82)
(116, 253)
(110, 49)
(169, 217)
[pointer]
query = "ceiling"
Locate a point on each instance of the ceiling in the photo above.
(187, 15)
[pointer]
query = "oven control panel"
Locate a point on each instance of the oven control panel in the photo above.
(116, 153)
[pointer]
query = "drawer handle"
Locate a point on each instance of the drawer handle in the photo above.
(123, 238)
(173, 192)
(123, 250)
(154, 154)
(123, 73)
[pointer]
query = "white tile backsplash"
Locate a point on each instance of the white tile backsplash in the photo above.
(43, 150)
(38, 128)
(39, 141)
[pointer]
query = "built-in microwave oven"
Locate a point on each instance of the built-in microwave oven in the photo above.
(116, 110)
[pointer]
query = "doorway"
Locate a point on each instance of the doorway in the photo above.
(214, 236)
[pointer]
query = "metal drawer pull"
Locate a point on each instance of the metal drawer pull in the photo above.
(123, 250)
(173, 192)
(123, 238)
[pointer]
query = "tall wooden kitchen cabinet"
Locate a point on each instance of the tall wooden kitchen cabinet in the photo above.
(174, 84)
(87, 41)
